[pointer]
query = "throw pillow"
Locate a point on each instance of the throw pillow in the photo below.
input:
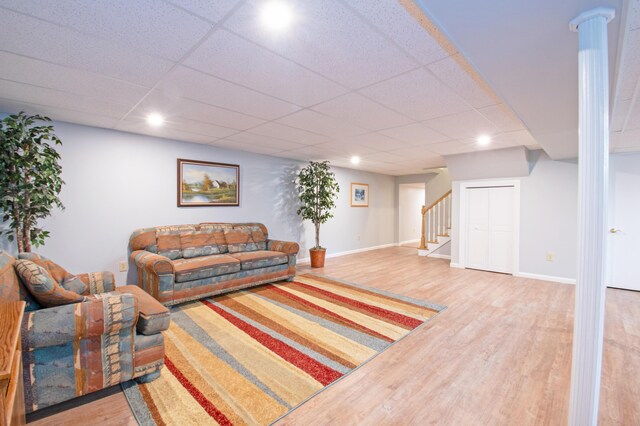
(64, 278)
(43, 287)
(245, 239)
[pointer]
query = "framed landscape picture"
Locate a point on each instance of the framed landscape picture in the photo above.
(204, 184)
(359, 194)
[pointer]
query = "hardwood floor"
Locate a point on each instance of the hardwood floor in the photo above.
(500, 354)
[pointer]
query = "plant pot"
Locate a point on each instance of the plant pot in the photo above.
(317, 257)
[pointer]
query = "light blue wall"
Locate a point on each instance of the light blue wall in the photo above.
(117, 182)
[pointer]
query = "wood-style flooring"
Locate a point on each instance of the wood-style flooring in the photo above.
(499, 355)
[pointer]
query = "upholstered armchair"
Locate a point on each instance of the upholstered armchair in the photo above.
(112, 335)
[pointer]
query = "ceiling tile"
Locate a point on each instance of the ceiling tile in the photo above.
(45, 74)
(634, 14)
(395, 22)
(468, 124)
(135, 125)
(630, 66)
(293, 134)
(362, 112)
(265, 141)
(348, 149)
(415, 134)
(308, 153)
(502, 117)
(228, 56)
(620, 112)
(384, 157)
(34, 38)
(212, 10)
(450, 147)
(57, 99)
(330, 40)
(519, 137)
(318, 123)
(414, 153)
(184, 82)
(241, 146)
(633, 120)
(376, 141)
(58, 114)
(170, 105)
(451, 73)
(418, 95)
(150, 26)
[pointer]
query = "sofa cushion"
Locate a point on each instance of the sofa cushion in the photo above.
(260, 259)
(64, 278)
(204, 267)
(153, 317)
(245, 238)
(43, 287)
(168, 240)
(202, 243)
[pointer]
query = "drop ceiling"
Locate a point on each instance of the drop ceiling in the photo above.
(351, 77)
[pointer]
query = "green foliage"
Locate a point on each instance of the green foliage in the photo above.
(29, 177)
(317, 190)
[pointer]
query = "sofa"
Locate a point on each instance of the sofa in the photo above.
(181, 263)
(112, 335)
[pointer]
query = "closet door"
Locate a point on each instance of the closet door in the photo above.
(501, 230)
(477, 228)
(490, 222)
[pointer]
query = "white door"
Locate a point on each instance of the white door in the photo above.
(490, 223)
(624, 248)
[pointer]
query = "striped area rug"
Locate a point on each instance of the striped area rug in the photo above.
(252, 356)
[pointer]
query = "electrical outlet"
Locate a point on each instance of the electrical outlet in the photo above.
(123, 265)
(550, 257)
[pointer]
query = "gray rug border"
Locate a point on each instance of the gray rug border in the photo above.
(128, 392)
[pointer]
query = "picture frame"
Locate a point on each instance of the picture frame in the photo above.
(208, 184)
(359, 194)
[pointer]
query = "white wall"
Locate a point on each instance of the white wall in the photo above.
(410, 201)
(548, 218)
(117, 182)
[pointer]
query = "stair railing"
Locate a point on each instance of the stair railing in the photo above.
(436, 220)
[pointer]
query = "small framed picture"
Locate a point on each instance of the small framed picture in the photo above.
(359, 194)
(205, 184)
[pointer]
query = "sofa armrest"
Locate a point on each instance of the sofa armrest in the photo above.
(99, 282)
(98, 315)
(288, 247)
(156, 273)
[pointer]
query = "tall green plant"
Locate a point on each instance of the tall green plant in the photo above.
(29, 177)
(318, 190)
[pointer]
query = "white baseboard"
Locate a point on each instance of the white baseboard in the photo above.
(440, 256)
(344, 253)
(551, 278)
(409, 241)
(456, 265)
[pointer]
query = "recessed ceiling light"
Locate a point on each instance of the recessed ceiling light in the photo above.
(484, 140)
(355, 160)
(155, 120)
(276, 15)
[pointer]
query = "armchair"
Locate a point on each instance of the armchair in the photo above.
(114, 335)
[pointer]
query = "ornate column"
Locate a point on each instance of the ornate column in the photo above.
(592, 195)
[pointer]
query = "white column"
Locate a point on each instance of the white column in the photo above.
(593, 176)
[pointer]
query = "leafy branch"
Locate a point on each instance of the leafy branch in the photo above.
(29, 177)
(317, 190)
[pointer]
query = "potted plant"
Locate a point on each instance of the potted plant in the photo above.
(29, 177)
(318, 190)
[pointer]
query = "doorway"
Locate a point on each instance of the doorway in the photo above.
(411, 198)
(624, 229)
